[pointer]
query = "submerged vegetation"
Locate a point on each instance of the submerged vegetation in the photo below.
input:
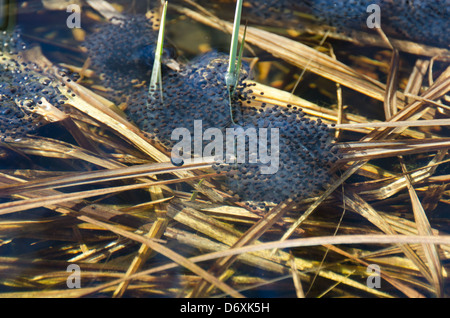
(87, 176)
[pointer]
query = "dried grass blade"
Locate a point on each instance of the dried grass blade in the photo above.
(327, 192)
(86, 208)
(424, 228)
(99, 176)
(390, 105)
(301, 55)
(47, 147)
(394, 149)
(182, 261)
(336, 240)
(390, 108)
(310, 241)
(357, 204)
(203, 223)
(15, 206)
(205, 244)
(156, 231)
(296, 278)
(87, 102)
(396, 186)
(64, 293)
(361, 38)
(105, 9)
(249, 236)
(282, 98)
(408, 291)
(214, 255)
(224, 233)
(400, 123)
(416, 77)
(439, 88)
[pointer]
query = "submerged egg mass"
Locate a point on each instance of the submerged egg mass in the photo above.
(415, 20)
(122, 51)
(303, 157)
(197, 93)
(22, 88)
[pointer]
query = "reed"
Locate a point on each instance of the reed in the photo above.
(104, 194)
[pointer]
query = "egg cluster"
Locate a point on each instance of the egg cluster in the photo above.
(11, 42)
(197, 92)
(419, 20)
(304, 155)
(415, 20)
(122, 52)
(23, 90)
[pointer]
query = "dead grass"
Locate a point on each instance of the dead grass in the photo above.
(140, 227)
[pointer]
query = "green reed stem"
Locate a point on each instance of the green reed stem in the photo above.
(232, 75)
(156, 78)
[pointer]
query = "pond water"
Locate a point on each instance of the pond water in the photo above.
(116, 167)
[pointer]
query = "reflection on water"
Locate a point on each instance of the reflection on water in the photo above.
(83, 143)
